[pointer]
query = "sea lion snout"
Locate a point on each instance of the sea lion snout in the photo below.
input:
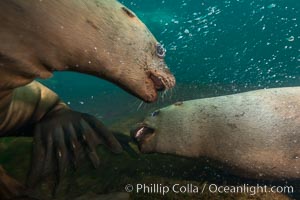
(146, 133)
(158, 82)
(162, 79)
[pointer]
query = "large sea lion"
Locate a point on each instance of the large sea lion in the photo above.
(97, 37)
(256, 134)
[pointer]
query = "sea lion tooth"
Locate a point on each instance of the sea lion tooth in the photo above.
(139, 132)
(142, 132)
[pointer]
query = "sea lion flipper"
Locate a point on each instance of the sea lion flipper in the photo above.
(72, 144)
(59, 133)
(66, 133)
(37, 160)
(90, 141)
(61, 153)
(10, 187)
(104, 133)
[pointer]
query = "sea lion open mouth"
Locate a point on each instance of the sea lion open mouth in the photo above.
(142, 132)
(162, 81)
(158, 82)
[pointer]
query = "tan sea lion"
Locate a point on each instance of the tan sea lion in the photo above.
(97, 37)
(256, 134)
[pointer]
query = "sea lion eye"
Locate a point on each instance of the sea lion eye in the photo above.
(160, 51)
(155, 113)
(128, 12)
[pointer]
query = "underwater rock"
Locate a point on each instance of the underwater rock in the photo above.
(9, 187)
(111, 196)
(255, 134)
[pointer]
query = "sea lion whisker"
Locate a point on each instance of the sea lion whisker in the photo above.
(141, 104)
(164, 94)
(136, 103)
(171, 93)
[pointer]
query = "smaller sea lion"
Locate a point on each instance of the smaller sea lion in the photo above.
(256, 134)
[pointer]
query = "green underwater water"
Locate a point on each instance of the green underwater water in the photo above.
(213, 47)
(241, 42)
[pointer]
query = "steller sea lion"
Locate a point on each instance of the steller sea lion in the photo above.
(97, 37)
(256, 133)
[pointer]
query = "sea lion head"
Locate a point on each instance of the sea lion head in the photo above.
(127, 53)
(159, 131)
(102, 38)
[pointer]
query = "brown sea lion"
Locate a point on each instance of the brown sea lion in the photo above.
(97, 37)
(256, 134)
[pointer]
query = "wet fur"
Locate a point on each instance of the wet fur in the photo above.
(256, 134)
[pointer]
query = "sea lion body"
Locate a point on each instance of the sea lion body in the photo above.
(256, 133)
(102, 38)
